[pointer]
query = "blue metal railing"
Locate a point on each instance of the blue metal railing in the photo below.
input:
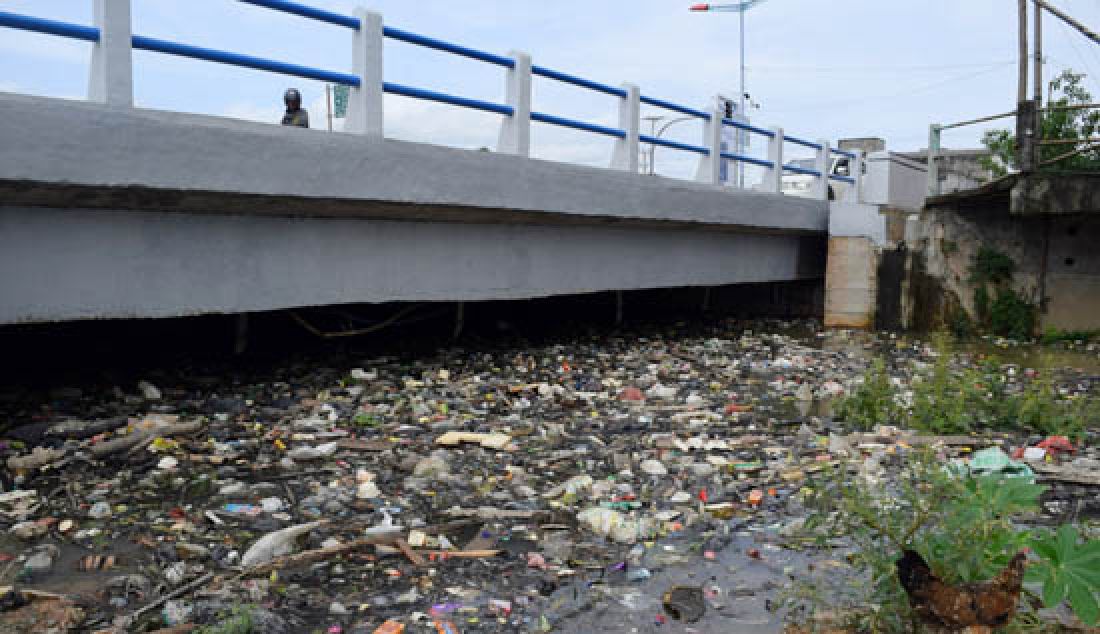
(431, 95)
(549, 73)
(577, 125)
(749, 128)
(668, 105)
(734, 156)
(802, 170)
(236, 59)
(308, 12)
(802, 142)
(92, 34)
(49, 27)
(440, 45)
(676, 145)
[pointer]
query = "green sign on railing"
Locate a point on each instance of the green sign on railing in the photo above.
(340, 94)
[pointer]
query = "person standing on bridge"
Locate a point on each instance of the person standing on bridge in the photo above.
(295, 115)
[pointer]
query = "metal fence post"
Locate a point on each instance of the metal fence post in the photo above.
(773, 181)
(111, 78)
(515, 131)
(855, 170)
(625, 155)
(821, 164)
(710, 166)
(367, 103)
(934, 133)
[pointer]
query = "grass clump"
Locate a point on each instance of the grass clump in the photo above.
(948, 398)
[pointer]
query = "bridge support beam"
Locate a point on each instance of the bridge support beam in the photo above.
(773, 181)
(625, 154)
(367, 103)
(515, 131)
(821, 164)
(710, 166)
(111, 79)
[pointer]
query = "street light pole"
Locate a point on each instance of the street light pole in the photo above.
(742, 8)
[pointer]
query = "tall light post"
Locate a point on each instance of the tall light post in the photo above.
(741, 8)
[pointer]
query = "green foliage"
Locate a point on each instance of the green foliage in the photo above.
(1011, 316)
(1055, 335)
(1069, 568)
(943, 400)
(872, 403)
(950, 400)
(991, 266)
(1069, 89)
(239, 621)
(966, 527)
(1006, 314)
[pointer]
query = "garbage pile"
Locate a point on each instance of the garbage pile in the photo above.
(645, 479)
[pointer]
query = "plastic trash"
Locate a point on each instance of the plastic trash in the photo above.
(276, 544)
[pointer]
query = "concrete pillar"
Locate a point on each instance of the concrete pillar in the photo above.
(773, 181)
(515, 131)
(625, 155)
(855, 192)
(367, 103)
(111, 78)
(851, 283)
(934, 132)
(710, 166)
(821, 164)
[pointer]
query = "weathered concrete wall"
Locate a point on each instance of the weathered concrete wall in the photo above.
(80, 264)
(1056, 258)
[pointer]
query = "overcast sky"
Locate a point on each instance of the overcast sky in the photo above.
(819, 68)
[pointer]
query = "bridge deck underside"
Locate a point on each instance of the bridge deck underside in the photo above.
(58, 265)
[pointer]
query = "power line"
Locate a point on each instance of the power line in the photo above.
(905, 93)
(861, 69)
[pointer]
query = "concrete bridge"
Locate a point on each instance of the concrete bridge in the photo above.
(110, 211)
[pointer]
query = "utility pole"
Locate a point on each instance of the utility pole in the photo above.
(1026, 111)
(1036, 147)
(1038, 55)
(1022, 92)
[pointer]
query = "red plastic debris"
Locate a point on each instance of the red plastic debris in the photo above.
(1056, 444)
(631, 394)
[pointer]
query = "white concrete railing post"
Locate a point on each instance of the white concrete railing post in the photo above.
(367, 103)
(710, 165)
(934, 134)
(625, 155)
(515, 131)
(855, 171)
(111, 78)
(773, 180)
(821, 164)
